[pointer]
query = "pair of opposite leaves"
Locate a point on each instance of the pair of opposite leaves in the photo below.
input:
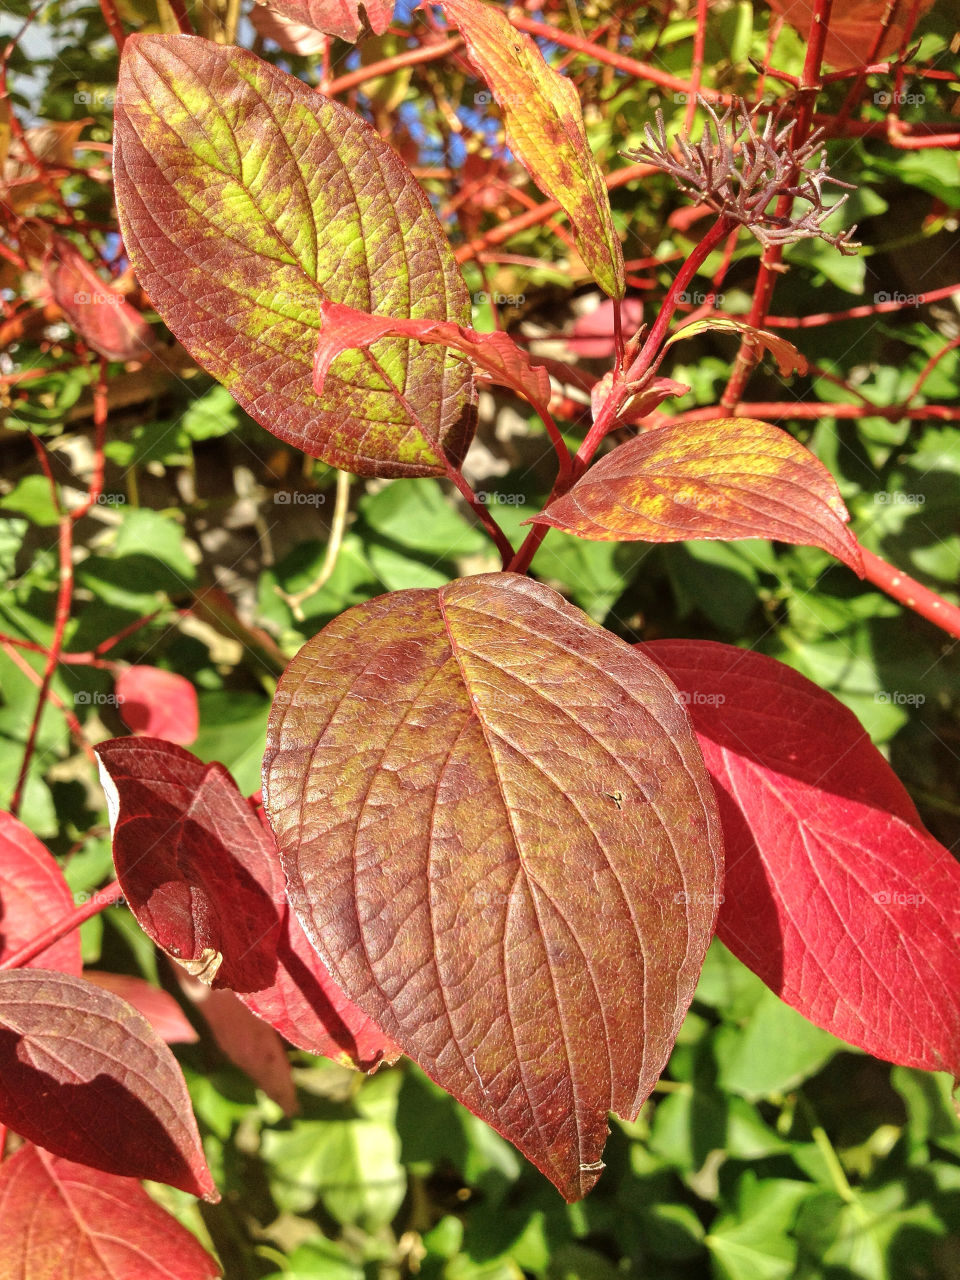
(497, 829)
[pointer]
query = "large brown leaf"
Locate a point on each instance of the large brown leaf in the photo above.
(341, 18)
(498, 831)
(86, 1076)
(201, 873)
(245, 198)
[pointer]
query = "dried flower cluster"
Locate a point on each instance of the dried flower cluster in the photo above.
(741, 172)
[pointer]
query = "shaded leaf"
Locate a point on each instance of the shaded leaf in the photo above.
(33, 896)
(290, 35)
(158, 703)
(100, 314)
(835, 894)
(246, 1040)
(496, 354)
(545, 131)
(86, 1076)
(498, 833)
(345, 19)
(64, 1219)
(201, 873)
(157, 1006)
(788, 358)
(729, 478)
(245, 199)
(853, 26)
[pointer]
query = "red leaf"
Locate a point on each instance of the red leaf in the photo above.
(340, 18)
(157, 1006)
(85, 1076)
(544, 126)
(101, 316)
(853, 26)
(593, 333)
(246, 1040)
(498, 832)
(729, 478)
(302, 200)
(63, 1219)
(158, 703)
(202, 875)
(835, 894)
(33, 896)
(495, 353)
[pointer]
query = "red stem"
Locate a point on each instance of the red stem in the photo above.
(114, 24)
(102, 898)
(409, 58)
(913, 594)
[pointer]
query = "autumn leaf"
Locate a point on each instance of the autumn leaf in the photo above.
(494, 354)
(100, 314)
(345, 19)
(85, 1076)
(33, 896)
(728, 478)
(853, 26)
(545, 131)
(835, 894)
(245, 199)
(158, 704)
(497, 831)
(184, 841)
(65, 1219)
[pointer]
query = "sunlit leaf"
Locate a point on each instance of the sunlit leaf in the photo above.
(544, 126)
(345, 19)
(33, 896)
(245, 199)
(835, 894)
(729, 478)
(158, 703)
(64, 1219)
(498, 833)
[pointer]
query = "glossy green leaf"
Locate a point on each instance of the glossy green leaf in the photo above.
(497, 831)
(245, 199)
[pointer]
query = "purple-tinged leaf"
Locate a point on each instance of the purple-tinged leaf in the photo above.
(62, 1219)
(201, 873)
(835, 894)
(245, 199)
(495, 354)
(33, 896)
(86, 1076)
(499, 834)
(545, 131)
(157, 1006)
(729, 478)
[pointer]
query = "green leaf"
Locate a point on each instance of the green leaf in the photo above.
(775, 1051)
(418, 515)
(753, 1242)
(246, 198)
(351, 1166)
(31, 497)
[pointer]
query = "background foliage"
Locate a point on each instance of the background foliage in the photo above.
(769, 1149)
